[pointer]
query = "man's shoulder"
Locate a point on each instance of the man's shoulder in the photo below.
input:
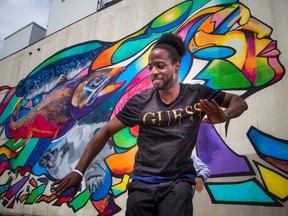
(142, 96)
(146, 92)
(190, 86)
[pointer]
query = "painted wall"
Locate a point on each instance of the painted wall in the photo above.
(55, 99)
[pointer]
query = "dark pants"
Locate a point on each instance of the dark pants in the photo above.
(173, 198)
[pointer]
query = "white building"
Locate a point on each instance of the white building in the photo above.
(62, 14)
(22, 38)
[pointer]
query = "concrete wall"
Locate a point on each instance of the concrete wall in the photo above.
(249, 166)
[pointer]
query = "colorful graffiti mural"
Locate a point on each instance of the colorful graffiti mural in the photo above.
(49, 117)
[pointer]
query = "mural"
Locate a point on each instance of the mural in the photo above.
(48, 118)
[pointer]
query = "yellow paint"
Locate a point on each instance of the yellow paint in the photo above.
(275, 183)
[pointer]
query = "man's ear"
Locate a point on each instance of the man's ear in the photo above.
(177, 66)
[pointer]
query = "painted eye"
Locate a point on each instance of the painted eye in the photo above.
(97, 81)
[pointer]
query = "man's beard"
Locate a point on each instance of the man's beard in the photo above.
(163, 84)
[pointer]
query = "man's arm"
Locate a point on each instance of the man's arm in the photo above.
(95, 145)
(234, 105)
(202, 171)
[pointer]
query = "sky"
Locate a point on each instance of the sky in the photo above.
(15, 14)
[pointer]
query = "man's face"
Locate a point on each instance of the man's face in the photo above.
(163, 73)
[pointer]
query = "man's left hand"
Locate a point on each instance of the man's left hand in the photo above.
(214, 112)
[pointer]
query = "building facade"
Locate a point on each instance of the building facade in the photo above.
(62, 14)
(235, 46)
(22, 38)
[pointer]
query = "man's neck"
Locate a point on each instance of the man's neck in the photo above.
(169, 95)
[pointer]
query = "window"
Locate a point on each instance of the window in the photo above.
(106, 3)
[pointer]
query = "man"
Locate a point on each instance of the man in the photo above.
(202, 173)
(169, 117)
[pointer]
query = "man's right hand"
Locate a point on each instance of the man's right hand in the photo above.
(72, 180)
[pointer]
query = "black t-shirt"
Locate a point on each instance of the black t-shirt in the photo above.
(167, 132)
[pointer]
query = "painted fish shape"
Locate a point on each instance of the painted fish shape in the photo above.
(65, 105)
(62, 66)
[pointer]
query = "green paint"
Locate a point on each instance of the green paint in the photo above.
(80, 201)
(35, 194)
(124, 139)
(23, 156)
